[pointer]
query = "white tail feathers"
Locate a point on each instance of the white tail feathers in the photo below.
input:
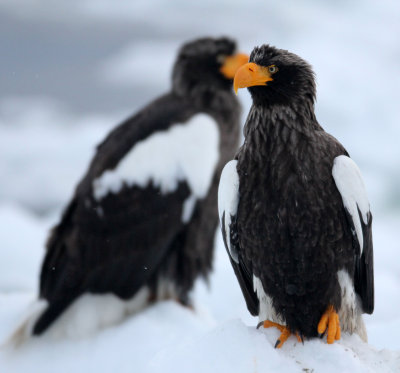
(24, 330)
(86, 315)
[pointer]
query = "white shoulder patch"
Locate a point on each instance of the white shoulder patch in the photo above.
(351, 186)
(188, 151)
(228, 200)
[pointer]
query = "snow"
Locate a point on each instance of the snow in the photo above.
(132, 65)
(22, 237)
(29, 176)
(225, 351)
(219, 335)
(351, 186)
(46, 146)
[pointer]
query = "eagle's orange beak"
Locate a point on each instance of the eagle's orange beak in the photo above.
(250, 75)
(232, 64)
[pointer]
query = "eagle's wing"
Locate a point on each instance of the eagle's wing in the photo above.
(351, 187)
(123, 219)
(228, 201)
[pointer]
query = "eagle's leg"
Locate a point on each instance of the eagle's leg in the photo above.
(184, 303)
(285, 332)
(330, 321)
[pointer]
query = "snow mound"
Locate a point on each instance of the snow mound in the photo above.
(235, 347)
(170, 338)
(130, 346)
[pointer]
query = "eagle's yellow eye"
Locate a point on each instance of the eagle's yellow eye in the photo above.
(272, 69)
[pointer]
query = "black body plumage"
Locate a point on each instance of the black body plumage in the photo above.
(136, 237)
(291, 230)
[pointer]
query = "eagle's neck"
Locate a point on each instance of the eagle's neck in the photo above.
(275, 128)
(217, 102)
(225, 108)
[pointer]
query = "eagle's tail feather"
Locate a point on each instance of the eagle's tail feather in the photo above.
(24, 330)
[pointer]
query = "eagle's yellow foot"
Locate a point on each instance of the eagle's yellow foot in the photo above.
(285, 332)
(330, 321)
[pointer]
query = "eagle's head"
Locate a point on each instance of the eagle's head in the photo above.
(205, 64)
(276, 76)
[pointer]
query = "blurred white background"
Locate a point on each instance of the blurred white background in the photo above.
(70, 71)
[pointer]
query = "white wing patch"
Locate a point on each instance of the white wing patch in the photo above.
(350, 184)
(228, 200)
(188, 208)
(188, 151)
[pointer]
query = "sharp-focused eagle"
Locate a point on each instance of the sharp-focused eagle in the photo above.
(293, 209)
(140, 226)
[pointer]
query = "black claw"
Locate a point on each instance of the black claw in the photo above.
(321, 335)
(259, 324)
(277, 343)
(302, 338)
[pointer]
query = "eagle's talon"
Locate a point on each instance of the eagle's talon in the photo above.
(299, 338)
(285, 332)
(329, 324)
